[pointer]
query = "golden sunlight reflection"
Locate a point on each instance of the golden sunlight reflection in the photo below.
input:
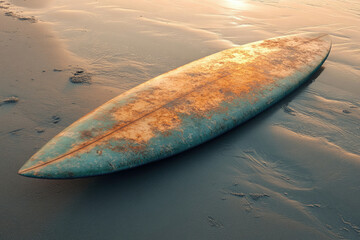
(236, 4)
(32, 3)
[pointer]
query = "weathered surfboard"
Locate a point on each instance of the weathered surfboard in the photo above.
(182, 108)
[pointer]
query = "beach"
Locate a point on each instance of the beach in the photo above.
(291, 172)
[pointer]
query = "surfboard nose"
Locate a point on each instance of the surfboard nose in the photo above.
(57, 159)
(46, 172)
(55, 164)
(71, 167)
(23, 171)
(40, 165)
(33, 169)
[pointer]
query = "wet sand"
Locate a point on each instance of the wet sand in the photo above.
(289, 173)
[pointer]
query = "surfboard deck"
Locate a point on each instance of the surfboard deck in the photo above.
(182, 108)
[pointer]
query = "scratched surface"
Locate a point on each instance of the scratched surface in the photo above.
(182, 108)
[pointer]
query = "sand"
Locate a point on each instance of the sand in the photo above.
(290, 173)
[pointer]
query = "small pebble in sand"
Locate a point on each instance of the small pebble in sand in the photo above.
(55, 119)
(30, 19)
(237, 194)
(9, 14)
(314, 205)
(57, 70)
(80, 76)
(257, 196)
(346, 111)
(9, 100)
(39, 130)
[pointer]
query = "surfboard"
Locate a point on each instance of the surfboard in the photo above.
(181, 109)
